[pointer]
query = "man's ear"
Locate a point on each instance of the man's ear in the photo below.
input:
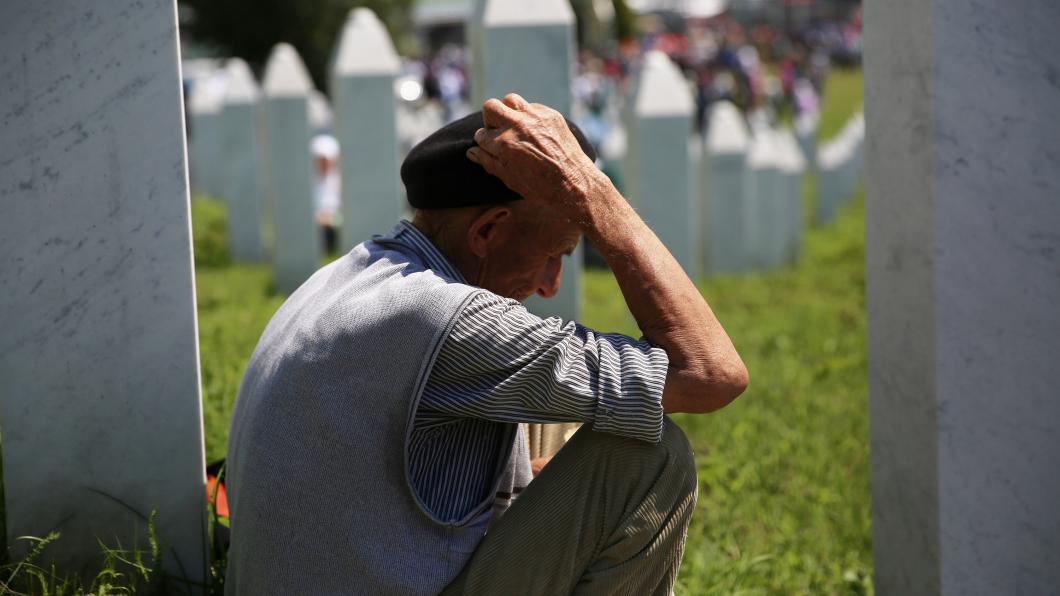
(485, 229)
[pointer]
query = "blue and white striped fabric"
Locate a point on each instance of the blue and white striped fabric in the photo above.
(502, 364)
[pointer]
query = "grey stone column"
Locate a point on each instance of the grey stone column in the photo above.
(204, 139)
(762, 189)
(833, 160)
(725, 166)
(289, 186)
(366, 127)
(242, 150)
(963, 292)
(793, 172)
(660, 125)
(99, 370)
(528, 48)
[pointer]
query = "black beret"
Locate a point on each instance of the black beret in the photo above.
(438, 175)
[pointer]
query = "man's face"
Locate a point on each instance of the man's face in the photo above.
(525, 257)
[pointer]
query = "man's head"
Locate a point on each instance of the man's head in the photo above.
(499, 241)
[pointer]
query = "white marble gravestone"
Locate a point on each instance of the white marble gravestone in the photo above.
(725, 166)
(762, 194)
(660, 125)
(963, 295)
(289, 186)
(793, 173)
(204, 139)
(362, 83)
(242, 151)
(835, 158)
(99, 372)
(853, 134)
(528, 48)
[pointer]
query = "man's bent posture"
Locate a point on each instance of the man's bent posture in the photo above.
(375, 445)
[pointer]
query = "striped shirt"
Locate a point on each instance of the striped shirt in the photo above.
(502, 365)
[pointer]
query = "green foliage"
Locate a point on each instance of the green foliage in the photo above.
(625, 20)
(250, 28)
(209, 232)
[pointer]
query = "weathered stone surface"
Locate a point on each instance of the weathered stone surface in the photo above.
(99, 372)
(963, 283)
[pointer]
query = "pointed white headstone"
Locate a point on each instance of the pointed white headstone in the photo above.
(662, 90)
(204, 108)
(365, 47)
(286, 74)
(762, 194)
(528, 13)
(241, 87)
(834, 159)
(242, 151)
(527, 47)
(793, 170)
(100, 401)
(659, 131)
(289, 187)
(725, 166)
(362, 84)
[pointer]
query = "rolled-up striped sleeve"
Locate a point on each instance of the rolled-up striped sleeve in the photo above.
(502, 363)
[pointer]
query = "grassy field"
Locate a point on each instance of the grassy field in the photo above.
(784, 486)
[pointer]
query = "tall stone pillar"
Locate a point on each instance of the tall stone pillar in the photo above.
(793, 172)
(528, 48)
(366, 126)
(660, 125)
(289, 185)
(722, 209)
(99, 370)
(762, 188)
(963, 287)
(240, 144)
(204, 114)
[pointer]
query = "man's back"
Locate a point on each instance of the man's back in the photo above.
(331, 388)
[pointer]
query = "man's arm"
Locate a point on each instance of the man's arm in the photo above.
(530, 148)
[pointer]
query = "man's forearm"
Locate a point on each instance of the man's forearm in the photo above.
(531, 149)
(705, 370)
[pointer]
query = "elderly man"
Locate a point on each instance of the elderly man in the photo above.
(375, 445)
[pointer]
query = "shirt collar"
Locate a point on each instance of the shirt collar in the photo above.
(432, 257)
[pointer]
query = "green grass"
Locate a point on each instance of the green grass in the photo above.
(784, 486)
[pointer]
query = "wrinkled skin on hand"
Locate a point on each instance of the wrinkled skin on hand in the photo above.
(529, 147)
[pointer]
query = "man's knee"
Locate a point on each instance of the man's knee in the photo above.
(682, 461)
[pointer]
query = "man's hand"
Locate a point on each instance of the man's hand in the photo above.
(531, 149)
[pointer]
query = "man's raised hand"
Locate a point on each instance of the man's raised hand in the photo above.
(531, 149)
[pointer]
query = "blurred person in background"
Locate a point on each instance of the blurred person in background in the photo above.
(327, 189)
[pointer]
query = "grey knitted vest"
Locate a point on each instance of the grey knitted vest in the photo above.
(317, 473)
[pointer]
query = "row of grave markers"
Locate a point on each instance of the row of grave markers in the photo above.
(729, 203)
